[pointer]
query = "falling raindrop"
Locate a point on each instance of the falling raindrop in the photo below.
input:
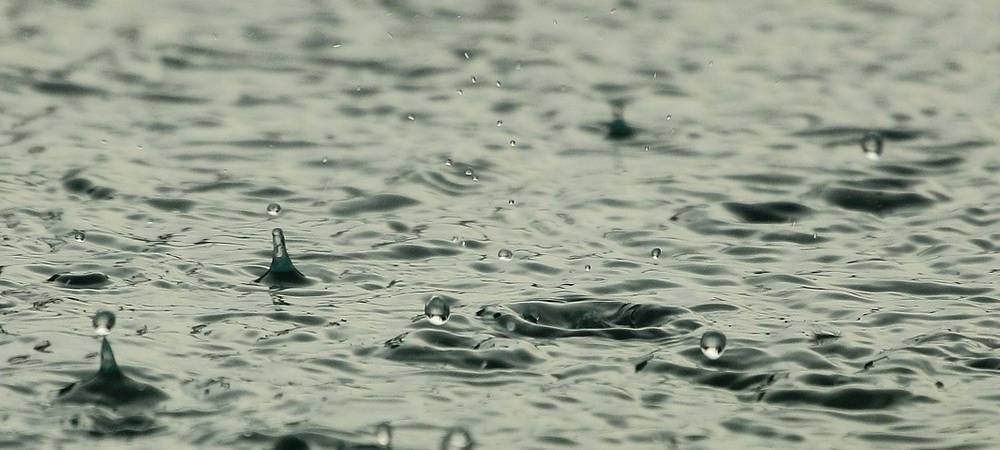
(383, 435)
(410, 116)
(273, 209)
(469, 172)
(456, 439)
(447, 162)
(713, 343)
(103, 322)
(646, 148)
(459, 92)
(587, 267)
(437, 311)
(79, 236)
(656, 253)
(871, 144)
(499, 123)
(466, 55)
(498, 83)
(505, 255)
(474, 79)
(510, 202)
(513, 143)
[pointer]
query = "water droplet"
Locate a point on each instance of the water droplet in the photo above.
(505, 255)
(459, 92)
(656, 253)
(587, 267)
(273, 209)
(513, 143)
(469, 172)
(325, 160)
(614, 10)
(711, 63)
(389, 34)
(713, 343)
(871, 144)
(669, 116)
(437, 311)
(654, 74)
(499, 123)
(498, 83)
(646, 148)
(104, 141)
(466, 55)
(383, 435)
(103, 322)
(447, 162)
(138, 146)
(475, 178)
(337, 45)
(79, 235)
(474, 80)
(456, 439)
(410, 116)
(510, 202)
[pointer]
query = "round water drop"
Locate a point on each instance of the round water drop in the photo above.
(713, 343)
(505, 255)
(459, 92)
(498, 83)
(474, 80)
(871, 144)
(587, 267)
(510, 202)
(139, 147)
(475, 178)
(79, 235)
(669, 116)
(656, 253)
(437, 311)
(499, 123)
(273, 209)
(614, 10)
(410, 116)
(383, 435)
(469, 172)
(325, 160)
(513, 143)
(103, 322)
(646, 149)
(456, 439)
(466, 55)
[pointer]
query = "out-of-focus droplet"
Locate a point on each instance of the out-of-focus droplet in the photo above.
(103, 322)
(469, 172)
(383, 435)
(587, 267)
(410, 116)
(646, 148)
(475, 178)
(656, 253)
(459, 92)
(138, 146)
(711, 63)
(437, 311)
(104, 141)
(499, 123)
(389, 34)
(474, 79)
(79, 235)
(513, 143)
(614, 10)
(456, 439)
(498, 83)
(505, 255)
(337, 45)
(325, 160)
(669, 116)
(447, 162)
(871, 144)
(466, 55)
(273, 209)
(510, 202)
(713, 343)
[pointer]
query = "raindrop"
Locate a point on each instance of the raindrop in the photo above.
(711, 63)
(656, 253)
(437, 311)
(473, 79)
(510, 202)
(498, 83)
(325, 160)
(505, 255)
(104, 141)
(447, 162)
(669, 116)
(273, 209)
(410, 116)
(337, 45)
(646, 148)
(587, 267)
(383, 435)
(456, 439)
(389, 34)
(466, 55)
(103, 322)
(459, 92)
(513, 143)
(871, 144)
(614, 10)
(475, 178)
(79, 235)
(713, 343)
(499, 123)
(469, 172)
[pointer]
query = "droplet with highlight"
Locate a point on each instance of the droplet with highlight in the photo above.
(103, 322)
(871, 144)
(437, 311)
(79, 235)
(713, 343)
(505, 255)
(383, 435)
(655, 254)
(457, 439)
(469, 172)
(499, 123)
(273, 209)
(513, 143)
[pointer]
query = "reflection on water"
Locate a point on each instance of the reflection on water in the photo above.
(629, 225)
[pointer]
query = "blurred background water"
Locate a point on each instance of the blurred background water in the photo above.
(470, 151)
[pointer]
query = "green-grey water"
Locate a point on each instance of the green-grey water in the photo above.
(587, 188)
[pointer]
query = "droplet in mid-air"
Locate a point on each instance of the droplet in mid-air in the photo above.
(456, 439)
(469, 172)
(871, 144)
(499, 84)
(513, 143)
(466, 55)
(713, 343)
(499, 123)
(505, 255)
(447, 162)
(79, 236)
(474, 80)
(668, 116)
(587, 268)
(656, 253)
(646, 148)
(383, 435)
(437, 311)
(410, 116)
(510, 202)
(103, 322)
(273, 209)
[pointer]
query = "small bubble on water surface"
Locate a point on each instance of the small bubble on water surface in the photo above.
(437, 311)
(871, 145)
(505, 255)
(713, 343)
(587, 267)
(273, 209)
(456, 439)
(79, 235)
(383, 435)
(447, 162)
(499, 123)
(469, 172)
(103, 322)
(656, 253)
